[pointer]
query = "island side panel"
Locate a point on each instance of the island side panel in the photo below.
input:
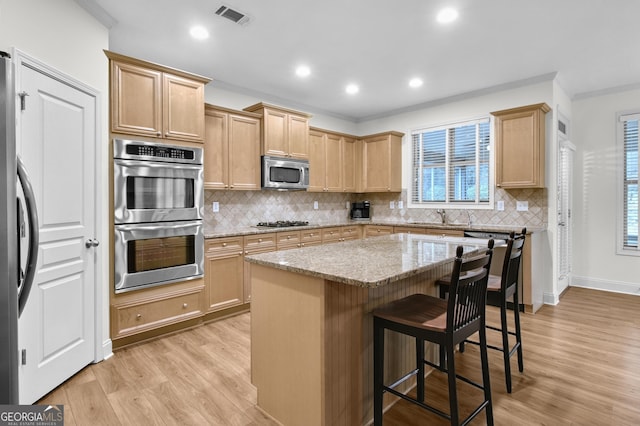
(349, 345)
(287, 321)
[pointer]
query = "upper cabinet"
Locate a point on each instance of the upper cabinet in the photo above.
(155, 101)
(331, 162)
(285, 133)
(232, 149)
(520, 146)
(382, 162)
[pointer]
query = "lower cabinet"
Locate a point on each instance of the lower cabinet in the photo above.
(375, 230)
(224, 271)
(408, 230)
(141, 312)
(255, 244)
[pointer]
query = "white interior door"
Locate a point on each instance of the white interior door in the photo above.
(565, 185)
(56, 140)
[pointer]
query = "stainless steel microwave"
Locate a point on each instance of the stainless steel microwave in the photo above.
(284, 173)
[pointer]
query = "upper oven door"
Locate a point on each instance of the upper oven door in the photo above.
(150, 191)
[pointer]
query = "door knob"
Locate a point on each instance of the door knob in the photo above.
(91, 243)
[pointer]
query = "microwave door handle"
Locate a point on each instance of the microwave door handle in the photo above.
(34, 237)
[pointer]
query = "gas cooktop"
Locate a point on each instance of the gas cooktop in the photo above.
(283, 223)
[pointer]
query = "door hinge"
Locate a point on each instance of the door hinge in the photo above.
(23, 100)
(24, 357)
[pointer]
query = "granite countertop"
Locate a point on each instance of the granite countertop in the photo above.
(218, 232)
(370, 262)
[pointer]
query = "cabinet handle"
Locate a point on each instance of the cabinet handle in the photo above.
(231, 186)
(288, 237)
(184, 305)
(158, 134)
(246, 252)
(139, 316)
(259, 240)
(224, 244)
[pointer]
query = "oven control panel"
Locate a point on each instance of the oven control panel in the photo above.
(149, 151)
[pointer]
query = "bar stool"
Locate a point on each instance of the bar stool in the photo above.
(505, 287)
(446, 323)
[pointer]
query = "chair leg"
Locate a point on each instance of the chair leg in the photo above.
(420, 365)
(484, 359)
(378, 371)
(505, 344)
(518, 332)
(453, 393)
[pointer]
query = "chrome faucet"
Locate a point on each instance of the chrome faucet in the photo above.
(443, 215)
(469, 216)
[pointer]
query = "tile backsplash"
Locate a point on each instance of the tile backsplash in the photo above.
(247, 208)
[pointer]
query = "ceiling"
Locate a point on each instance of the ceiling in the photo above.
(588, 46)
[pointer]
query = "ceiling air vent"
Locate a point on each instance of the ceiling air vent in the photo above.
(232, 15)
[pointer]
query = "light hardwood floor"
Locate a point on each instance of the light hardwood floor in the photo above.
(582, 367)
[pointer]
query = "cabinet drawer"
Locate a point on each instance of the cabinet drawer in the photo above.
(375, 230)
(150, 313)
(310, 236)
(449, 232)
(289, 239)
(408, 230)
(259, 242)
(222, 245)
(350, 232)
(330, 234)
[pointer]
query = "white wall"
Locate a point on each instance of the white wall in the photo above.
(64, 36)
(595, 262)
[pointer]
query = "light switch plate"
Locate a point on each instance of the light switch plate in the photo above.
(400, 204)
(522, 206)
(500, 206)
(215, 207)
(315, 205)
(392, 204)
(347, 206)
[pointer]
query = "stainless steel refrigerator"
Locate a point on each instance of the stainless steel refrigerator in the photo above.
(18, 236)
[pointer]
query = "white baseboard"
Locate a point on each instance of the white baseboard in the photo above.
(550, 298)
(606, 285)
(107, 350)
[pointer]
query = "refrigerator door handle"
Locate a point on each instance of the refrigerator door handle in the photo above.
(32, 255)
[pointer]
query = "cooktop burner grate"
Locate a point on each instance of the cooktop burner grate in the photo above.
(283, 223)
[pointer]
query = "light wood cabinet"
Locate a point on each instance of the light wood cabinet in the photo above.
(376, 230)
(310, 237)
(382, 162)
(288, 240)
(285, 133)
(139, 314)
(224, 273)
(232, 149)
(255, 244)
(520, 146)
(441, 232)
(155, 101)
(408, 230)
(325, 161)
(349, 167)
(340, 233)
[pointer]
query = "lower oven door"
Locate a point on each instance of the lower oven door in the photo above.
(151, 254)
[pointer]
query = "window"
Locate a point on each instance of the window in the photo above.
(628, 138)
(451, 165)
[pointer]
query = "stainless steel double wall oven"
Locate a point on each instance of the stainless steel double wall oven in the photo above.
(158, 209)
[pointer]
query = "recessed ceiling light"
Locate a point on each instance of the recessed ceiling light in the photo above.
(352, 89)
(447, 15)
(415, 82)
(303, 71)
(199, 33)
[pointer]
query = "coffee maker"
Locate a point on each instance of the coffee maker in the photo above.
(360, 211)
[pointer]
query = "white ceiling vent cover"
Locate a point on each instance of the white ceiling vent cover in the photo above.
(232, 15)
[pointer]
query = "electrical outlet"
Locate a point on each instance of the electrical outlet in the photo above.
(522, 206)
(348, 205)
(500, 206)
(400, 204)
(315, 205)
(392, 204)
(215, 207)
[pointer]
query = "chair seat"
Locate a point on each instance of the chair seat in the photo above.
(418, 310)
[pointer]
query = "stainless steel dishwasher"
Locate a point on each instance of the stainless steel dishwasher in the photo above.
(497, 261)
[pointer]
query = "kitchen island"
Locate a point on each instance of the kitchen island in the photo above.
(311, 324)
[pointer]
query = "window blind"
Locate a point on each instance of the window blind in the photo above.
(450, 164)
(630, 182)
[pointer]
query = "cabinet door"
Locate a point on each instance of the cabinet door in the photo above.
(298, 137)
(376, 164)
(136, 100)
(216, 154)
(225, 280)
(375, 230)
(275, 133)
(333, 164)
(244, 153)
(349, 169)
(317, 161)
(183, 109)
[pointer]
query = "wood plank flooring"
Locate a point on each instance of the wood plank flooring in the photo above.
(581, 367)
